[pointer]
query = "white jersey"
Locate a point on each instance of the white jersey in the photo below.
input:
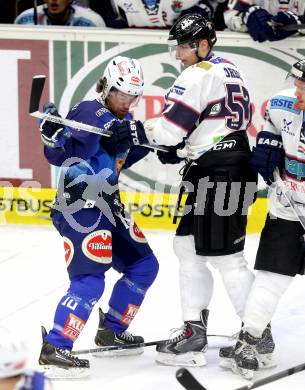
(152, 13)
(79, 16)
(284, 120)
(208, 101)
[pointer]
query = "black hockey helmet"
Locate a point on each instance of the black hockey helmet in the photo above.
(297, 70)
(192, 28)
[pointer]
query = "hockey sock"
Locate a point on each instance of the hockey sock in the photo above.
(74, 309)
(267, 289)
(237, 278)
(196, 280)
(129, 292)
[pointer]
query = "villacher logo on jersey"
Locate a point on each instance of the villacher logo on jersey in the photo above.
(97, 246)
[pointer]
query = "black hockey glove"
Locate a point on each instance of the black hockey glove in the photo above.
(284, 18)
(268, 155)
(258, 22)
(124, 135)
(52, 134)
(171, 156)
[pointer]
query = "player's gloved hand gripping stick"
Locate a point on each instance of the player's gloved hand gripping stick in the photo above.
(36, 92)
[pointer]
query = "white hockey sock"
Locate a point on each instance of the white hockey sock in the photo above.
(266, 291)
(196, 280)
(237, 278)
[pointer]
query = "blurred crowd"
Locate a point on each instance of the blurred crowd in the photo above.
(263, 19)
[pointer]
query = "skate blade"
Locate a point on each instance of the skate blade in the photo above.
(59, 373)
(245, 373)
(119, 352)
(189, 359)
(266, 361)
(225, 362)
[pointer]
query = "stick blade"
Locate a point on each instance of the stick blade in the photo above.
(186, 379)
(36, 92)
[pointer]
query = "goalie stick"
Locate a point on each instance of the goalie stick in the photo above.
(131, 346)
(35, 96)
(189, 382)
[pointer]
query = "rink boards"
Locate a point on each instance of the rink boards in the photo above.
(22, 205)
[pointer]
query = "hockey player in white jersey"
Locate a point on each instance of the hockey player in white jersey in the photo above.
(208, 107)
(264, 19)
(280, 256)
(155, 13)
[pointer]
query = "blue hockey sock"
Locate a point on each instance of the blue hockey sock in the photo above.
(74, 309)
(129, 292)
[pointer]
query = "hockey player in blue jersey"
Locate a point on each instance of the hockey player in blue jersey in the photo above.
(13, 360)
(96, 231)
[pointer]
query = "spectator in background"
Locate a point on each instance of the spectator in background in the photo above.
(264, 20)
(150, 13)
(61, 13)
(13, 359)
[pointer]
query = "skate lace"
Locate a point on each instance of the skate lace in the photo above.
(246, 350)
(126, 336)
(182, 332)
(67, 353)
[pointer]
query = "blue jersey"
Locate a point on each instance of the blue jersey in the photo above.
(33, 381)
(89, 166)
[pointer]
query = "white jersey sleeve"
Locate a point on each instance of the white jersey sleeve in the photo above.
(285, 120)
(208, 101)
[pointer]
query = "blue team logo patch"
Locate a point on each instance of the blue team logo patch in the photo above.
(176, 90)
(284, 103)
(286, 127)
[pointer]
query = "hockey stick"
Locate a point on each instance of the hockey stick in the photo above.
(287, 194)
(35, 16)
(187, 380)
(117, 347)
(36, 92)
(289, 27)
(131, 346)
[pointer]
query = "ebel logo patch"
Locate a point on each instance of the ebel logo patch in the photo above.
(69, 250)
(129, 314)
(73, 326)
(136, 233)
(224, 145)
(97, 246)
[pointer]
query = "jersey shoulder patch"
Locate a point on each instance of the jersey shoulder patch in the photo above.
(204, 65)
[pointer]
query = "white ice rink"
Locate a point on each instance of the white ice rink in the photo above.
(33, 278)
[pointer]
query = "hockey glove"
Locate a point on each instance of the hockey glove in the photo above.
(268, 154)
(124, 135)
(171, 156)
(258, 22)
(284, 18)
(52, 134)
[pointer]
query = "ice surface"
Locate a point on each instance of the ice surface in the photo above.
(33, 278)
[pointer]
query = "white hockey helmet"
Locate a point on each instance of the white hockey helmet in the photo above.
(13, 354)
(124, 74)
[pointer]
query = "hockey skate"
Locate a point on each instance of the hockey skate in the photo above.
(245, 356)
(265, 348)
(58, 363)
(106, 337)
(186, 349)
